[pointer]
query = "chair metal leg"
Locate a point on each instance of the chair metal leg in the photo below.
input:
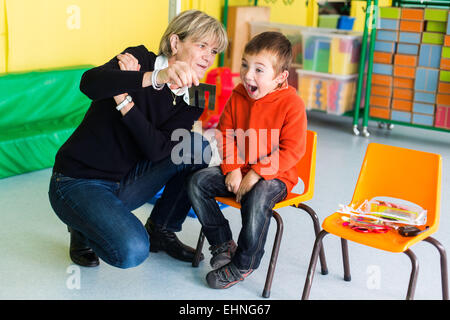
(274, 256)
(444, 272)
(414, 273)
(315, 219)
(312, 264)
(344, 245)
(198, 250)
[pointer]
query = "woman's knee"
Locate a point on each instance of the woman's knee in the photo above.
(132, 252)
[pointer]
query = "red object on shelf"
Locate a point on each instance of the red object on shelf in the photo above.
(222, 77)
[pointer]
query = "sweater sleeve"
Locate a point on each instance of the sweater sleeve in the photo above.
(292, 144)
(226, 142)
(154, 144)
(108, 80)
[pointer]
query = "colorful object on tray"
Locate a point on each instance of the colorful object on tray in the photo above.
(392, 212)
(365, 225)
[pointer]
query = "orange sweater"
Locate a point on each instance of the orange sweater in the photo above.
(267, 135)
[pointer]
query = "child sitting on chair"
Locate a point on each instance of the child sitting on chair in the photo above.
(261, 137)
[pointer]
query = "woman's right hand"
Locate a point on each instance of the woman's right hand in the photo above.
(179, 74)
(127, 62)
(233, 180)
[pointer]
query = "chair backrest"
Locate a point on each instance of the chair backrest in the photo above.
(306, 167)
(401, 173)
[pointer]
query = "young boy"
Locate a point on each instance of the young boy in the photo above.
(262, 136)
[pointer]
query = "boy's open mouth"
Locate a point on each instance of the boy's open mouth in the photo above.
(252, 89)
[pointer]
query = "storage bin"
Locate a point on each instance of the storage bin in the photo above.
(328, 21)
(381, 68)
(385, 46)
(403, 83)
(442, 117)
(422, 119)
(430, 55)
(292, 32)
(346, 23)
(405, 60)
(407, 48)
(383, 113)
(412, 14)
(448, 24)
(444, 87)
(444, 76)
(388, 35)
(424, 108)
(331, 93)
(436, 14)
(402, 116)
(336, 52)
(426, 97)
(382, 57)
(426, 79)
(388, 24)
(447, 40)
(409, 37)
(390, 12)
(433, 38)
(436, 26)
(402, 105)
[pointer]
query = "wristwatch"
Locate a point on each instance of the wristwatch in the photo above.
(126, 101)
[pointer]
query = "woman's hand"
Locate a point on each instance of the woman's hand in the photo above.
(250, 179)
(179, 74)
(127, 62)
(233, 180)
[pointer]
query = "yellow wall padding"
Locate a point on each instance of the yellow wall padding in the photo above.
(2, 53)
(57, 33)
(2, 17)
(358, 10)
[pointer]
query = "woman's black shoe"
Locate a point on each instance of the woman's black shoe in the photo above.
(167, 241)
(80, 252)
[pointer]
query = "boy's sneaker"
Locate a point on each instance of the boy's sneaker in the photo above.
(222, 254)
(226, 276)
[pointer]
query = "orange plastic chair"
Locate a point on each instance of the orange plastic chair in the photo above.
(306, 171)
(400, 173)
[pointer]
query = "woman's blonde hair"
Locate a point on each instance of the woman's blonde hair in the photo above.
(196, 25)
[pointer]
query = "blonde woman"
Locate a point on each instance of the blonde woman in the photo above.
(119, 156)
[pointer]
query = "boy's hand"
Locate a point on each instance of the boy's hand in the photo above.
(233, 180)
(250, 179)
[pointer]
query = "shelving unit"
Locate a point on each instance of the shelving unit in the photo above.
(433, 92)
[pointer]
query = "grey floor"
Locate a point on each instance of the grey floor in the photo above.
(34, 261)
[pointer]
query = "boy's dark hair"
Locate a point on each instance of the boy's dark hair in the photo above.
(273, 42)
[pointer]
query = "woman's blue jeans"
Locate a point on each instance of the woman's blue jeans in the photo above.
(256, 212)
(101, 209)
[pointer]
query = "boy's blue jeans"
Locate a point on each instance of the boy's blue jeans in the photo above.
(101, 209)
(256, 212)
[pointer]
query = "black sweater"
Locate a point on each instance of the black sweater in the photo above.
(106, 145)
